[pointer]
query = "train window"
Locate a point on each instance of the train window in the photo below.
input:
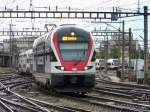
(19, 65)
(40, 47)
(52, 55)
(73, 51)
(47, 53)
(27, 60)
(94, 56)
(24, 65)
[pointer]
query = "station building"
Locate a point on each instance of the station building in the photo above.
(9, 50)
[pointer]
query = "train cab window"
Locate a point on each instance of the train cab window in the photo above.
(52, 56)
(73, 51)
(94, 56)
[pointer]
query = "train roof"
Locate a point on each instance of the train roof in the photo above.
(40, 39)
(111, 60)
(44, 37)
(66, 26)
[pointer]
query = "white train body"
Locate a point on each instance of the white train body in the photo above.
(113, 63)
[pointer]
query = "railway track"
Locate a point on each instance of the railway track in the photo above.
(15, 81)
(116, 105)
(110, 103)
(138, 93)
(45, 104)
(124, 84)
(111, 91)
(13, 102)
(16, 103)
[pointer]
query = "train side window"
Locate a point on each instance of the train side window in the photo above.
(24, 65)
(27, 60)
(19, 65)
(52, 55)
(94, 56)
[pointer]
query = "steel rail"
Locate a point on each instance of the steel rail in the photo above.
(27, 107)
(8, 109)
(64, 108)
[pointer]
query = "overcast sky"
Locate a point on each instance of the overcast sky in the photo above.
(136, 23)
(82, 4)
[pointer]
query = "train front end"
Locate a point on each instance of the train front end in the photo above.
(75, 69)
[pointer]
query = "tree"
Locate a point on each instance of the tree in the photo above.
(100, 55)
(116, 53)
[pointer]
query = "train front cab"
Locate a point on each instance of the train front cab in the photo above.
(74, 49)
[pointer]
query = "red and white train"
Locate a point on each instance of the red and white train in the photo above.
(64, 59)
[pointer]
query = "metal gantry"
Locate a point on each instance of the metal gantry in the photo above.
(22, 33)
(68, 14)
(40, 32)
(107, 33)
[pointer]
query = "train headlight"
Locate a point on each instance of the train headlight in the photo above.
(62, 68)
(85, 68)
(59, 67)
(88, 67)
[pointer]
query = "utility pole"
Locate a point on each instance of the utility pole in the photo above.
(145, 43)
(123, 48)
(3, 55)
(138, 9)
(130, 46)
(100, 48)
(106, 52)
(119, 41)
(10, 63)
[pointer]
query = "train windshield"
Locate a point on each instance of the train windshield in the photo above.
(73, 51)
